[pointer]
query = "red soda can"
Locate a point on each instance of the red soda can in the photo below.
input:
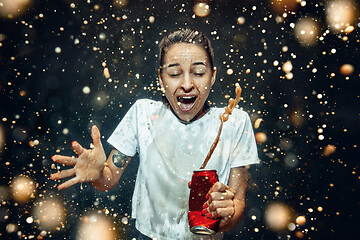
(201, 182)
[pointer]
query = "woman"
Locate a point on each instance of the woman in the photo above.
(172, 139)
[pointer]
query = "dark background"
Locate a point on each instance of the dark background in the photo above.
(41, 98)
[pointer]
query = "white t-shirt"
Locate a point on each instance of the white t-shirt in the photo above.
(169, 151)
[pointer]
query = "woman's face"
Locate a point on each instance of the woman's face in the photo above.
(186, 78)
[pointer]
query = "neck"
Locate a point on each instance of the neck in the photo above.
(199, 115)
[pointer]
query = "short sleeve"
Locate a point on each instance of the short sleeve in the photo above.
(124, 138)
(245, 149)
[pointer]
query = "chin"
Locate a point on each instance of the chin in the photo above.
(186, 116)
(186, 119)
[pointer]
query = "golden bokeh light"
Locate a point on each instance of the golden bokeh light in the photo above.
(278, 216)
(49, 213)
(300, 220)
(120, 3)
(329, 150)
(94, 227)
(257, 123)
(299, 235)
(340, 14)
(281, 6)
(349, 29)
(306, 31)
(347, 69)
(151, 19)
(11, 227)
(241, 20)
(106, 73)
(2, 138)
(260, 137)
(13, 8)
(86, 90)
(22, 189)
(287, 66)
(201, 9)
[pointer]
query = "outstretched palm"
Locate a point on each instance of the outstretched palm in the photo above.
(87, 167)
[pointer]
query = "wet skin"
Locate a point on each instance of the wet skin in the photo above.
(186, 79)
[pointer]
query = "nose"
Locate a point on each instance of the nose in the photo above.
(187, 83)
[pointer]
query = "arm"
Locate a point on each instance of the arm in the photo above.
(91, 165)
(111, 174)
(238, 182)
(228, 201)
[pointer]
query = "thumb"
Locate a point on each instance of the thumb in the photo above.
(95, 134)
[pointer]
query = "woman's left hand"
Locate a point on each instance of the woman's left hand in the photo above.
(220, 203)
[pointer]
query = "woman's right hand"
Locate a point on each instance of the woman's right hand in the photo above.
(87, 166)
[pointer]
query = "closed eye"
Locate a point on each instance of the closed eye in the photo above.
(173, 69)
(198, 69)
(174, 74)
(199, 73)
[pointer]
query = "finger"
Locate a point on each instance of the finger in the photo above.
(208, 208)
(205, 208)
(95, 134)
(225, 212)
(213, 189)
(68, 161)
(212, 214)
(63, 174)
(220, 204)
(218, 187)
(222, 213)
(78, 149)
(68, 183)
(216, 196)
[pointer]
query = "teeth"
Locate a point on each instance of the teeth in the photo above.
(186, 98)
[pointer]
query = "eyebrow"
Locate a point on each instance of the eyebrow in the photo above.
(178, 64)
(173, 65)
(199, 63)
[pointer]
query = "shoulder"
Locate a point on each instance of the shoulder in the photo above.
(147, 103)
(239, 119)
(237, 114)
(144, 101)
(145, 108)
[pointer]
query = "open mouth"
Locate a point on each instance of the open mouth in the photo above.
(186, 103)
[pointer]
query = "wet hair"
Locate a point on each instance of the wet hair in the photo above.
(185, 35)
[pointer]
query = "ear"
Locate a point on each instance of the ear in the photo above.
(160, 80)
(213, 77)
